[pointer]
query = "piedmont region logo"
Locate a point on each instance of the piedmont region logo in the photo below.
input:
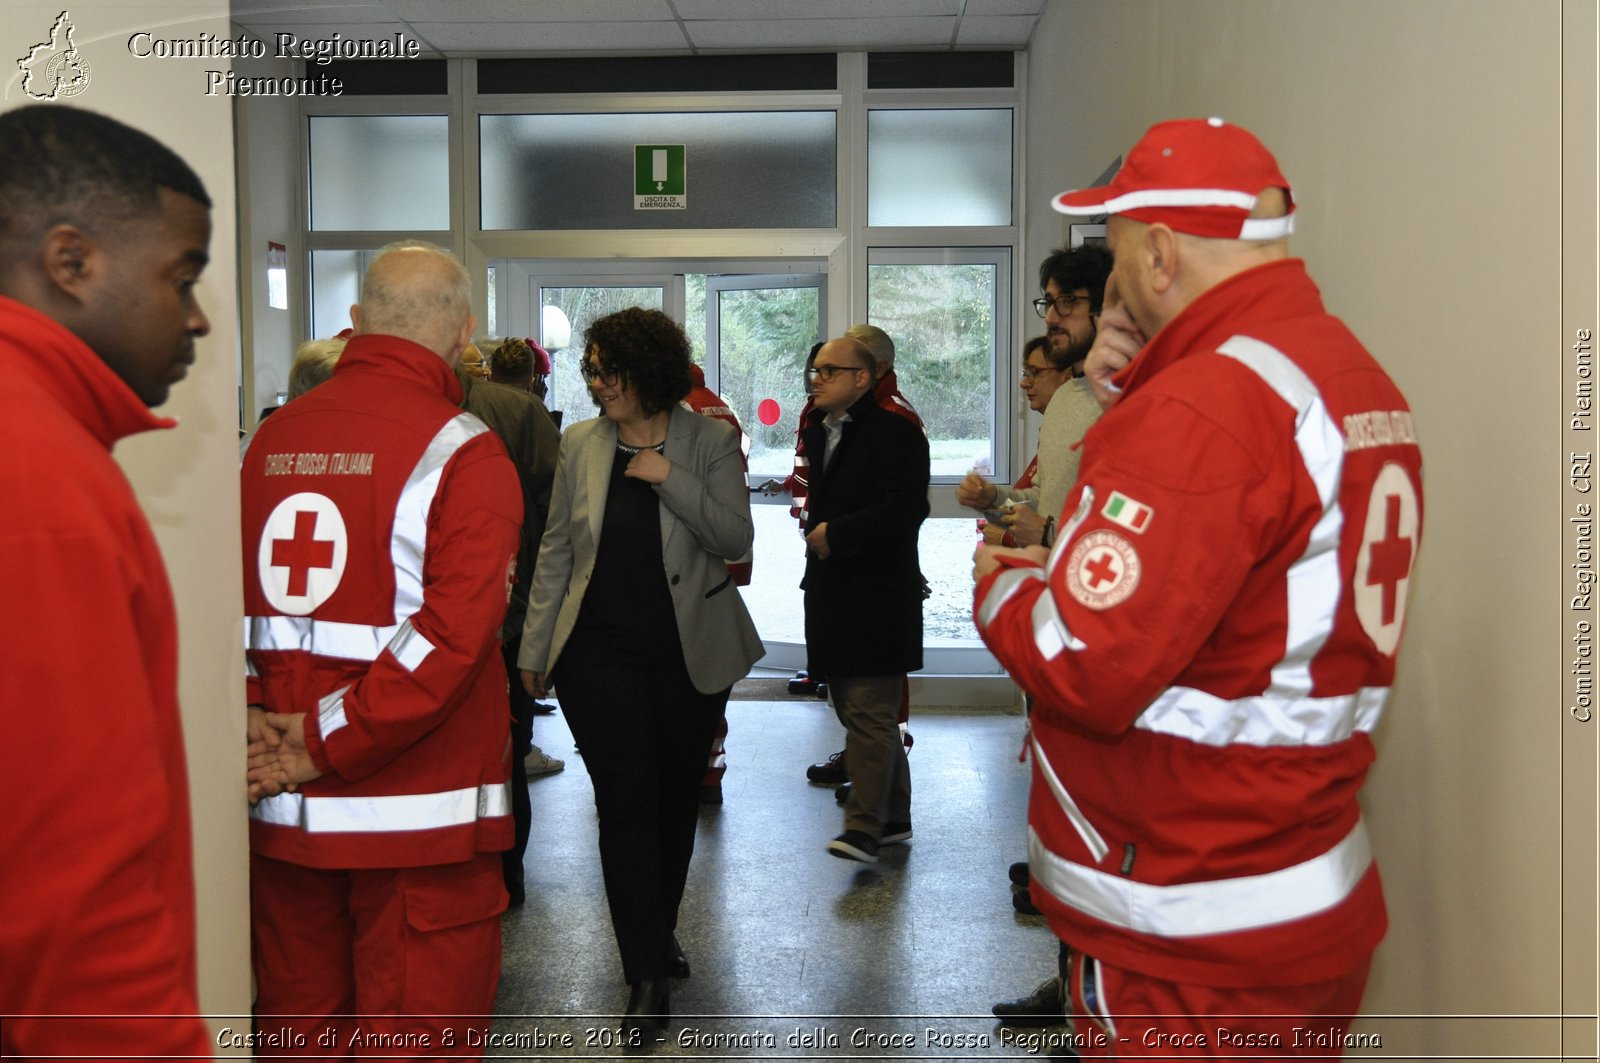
(302, 553)
(55, 69)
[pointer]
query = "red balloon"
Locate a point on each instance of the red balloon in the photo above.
(769, 411)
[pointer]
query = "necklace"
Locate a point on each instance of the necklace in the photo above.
(627, 449)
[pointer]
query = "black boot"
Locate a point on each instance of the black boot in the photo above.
(648, 1007)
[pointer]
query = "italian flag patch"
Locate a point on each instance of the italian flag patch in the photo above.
(1120, 509)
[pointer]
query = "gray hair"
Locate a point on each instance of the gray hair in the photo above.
(877, 343)
(417, 291)
(313, 364)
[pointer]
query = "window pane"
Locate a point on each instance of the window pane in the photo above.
(335, 286)
(942, 319)
(761, 170)
(939, 167)
(580, 308)
(764, 336)
(388, 172)
(944, 547)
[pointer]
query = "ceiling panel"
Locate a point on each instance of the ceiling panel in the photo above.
(355, 14)
(763, 10)
(437, 11)
(822, 33)
(1009, 31)
(590, 27)
(545, 38)
(1003, 7)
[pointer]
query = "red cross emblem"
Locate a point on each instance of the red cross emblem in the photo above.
(302, 553)
(1389, 535)
(1102, 570)
(1391, 558)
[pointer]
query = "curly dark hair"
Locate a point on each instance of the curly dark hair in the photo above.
(1086, 266)
(511, 363)
(650, 351)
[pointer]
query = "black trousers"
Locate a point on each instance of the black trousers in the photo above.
(643, 731)
(521, 743)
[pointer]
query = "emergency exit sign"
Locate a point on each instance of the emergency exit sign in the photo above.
(658, 179)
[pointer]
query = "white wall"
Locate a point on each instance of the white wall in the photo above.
(1424, 141)
(268, 161)
(186, 478)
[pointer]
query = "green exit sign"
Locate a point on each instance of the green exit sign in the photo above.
(658, 177)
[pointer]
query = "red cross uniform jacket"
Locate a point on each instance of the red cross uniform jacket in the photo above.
(1211, 644)
(96, 871)
(380, 526)
(708, 403)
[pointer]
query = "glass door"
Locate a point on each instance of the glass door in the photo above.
(758, 331)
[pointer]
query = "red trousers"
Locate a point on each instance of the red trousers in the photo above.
(391, 961)
(1119, 1014)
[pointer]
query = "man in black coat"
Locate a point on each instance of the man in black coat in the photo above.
(863, 584)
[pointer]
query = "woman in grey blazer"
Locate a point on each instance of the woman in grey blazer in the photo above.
(633, 617)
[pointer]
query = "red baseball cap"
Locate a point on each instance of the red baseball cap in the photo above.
(1196, 175)
(541, 358)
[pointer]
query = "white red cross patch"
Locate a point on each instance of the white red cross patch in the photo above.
(1102, 570)
(302, 553)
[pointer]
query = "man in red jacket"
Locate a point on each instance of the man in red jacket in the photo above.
(1212, 638)
(103, 234)
(708, 403)
(380, 532)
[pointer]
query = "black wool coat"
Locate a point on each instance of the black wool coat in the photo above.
(864, 603)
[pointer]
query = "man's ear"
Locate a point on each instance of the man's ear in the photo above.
(1161, 254)
(71, 260)
(355, 317)
(463, 339)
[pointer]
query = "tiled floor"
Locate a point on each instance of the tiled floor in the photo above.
(796, 954)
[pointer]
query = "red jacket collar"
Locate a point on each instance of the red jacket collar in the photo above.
(73, 374)
(1269, 292)
(393, 356)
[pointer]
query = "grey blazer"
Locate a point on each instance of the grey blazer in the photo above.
(705, 517)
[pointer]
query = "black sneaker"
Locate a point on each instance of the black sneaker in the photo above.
(1022, 904)
(895, 833)
(830, 772)
(854, 845)
(842, 794)
(1018, 873)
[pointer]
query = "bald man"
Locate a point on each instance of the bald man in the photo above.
(380, 526)
(1212, 639)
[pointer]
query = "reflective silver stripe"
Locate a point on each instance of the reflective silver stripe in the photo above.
(1314, 586)
(1194, 909)
(1050, 632)
(1266, 720)
(330, 712)
(409, 647)
(377, 815)
(1079, 515)
(351, 642)
(1002, 590)
(408, 540)
(1080, 823)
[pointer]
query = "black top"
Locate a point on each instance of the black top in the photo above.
(627, 609)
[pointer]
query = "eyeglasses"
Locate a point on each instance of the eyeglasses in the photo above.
(1029, 373)
(607, 377)
(1063, 304)
(828, 372)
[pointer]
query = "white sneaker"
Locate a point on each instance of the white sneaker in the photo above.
(538, 762)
